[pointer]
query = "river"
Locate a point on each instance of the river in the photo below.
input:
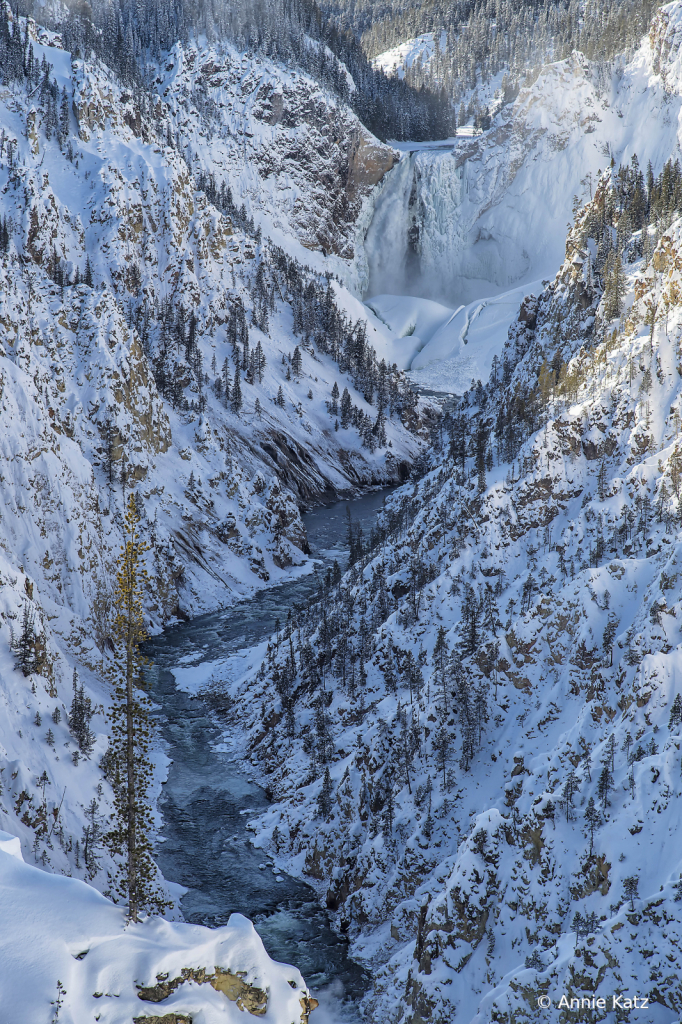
(207, 797)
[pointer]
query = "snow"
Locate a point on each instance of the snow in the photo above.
(403, 56)
(501, 878)
(60, 929)
(411, 321)
(73, 361)
(443, 348)
(460, 233)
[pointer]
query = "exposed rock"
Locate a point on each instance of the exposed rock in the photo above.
(247, 997)
(168, 1018)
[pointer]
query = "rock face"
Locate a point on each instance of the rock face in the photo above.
(238, 991)
(307, 163)
(368, 162)
(167, 1018)
(247, 997)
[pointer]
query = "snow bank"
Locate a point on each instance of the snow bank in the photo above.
(445, 348)
(420, 49)
(59, 929)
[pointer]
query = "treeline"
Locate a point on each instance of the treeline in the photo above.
(483, 37)
(128, 36)
(19, 63)
(630, 212)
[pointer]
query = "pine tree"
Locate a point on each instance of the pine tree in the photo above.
(609, 636)
(80, 717)
(604, 784)
(64, 118)
(630, 889)
(675, 712)
(592, 820)
(440, 655)
(128, 764)
(297, 363)
(280, 398)
(570, 788)
(346, 408)
(441, 747)
(227, 381)
(28, 647)
(237, 400)
(324, 800)
(93, 834)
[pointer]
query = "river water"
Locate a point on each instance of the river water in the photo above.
(207, 797)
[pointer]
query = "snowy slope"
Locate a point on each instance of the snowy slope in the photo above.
(394, 61)
(458, 845)
(68, 955)
(445, 349)
(85, 416)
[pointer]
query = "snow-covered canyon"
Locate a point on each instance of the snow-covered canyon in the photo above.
(204, 289)
(479, 221)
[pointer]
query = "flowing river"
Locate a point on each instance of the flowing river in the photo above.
(207, 797)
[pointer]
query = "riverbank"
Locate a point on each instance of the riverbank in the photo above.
(207, 798)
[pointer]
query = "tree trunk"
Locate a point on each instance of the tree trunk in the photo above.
(130, 766)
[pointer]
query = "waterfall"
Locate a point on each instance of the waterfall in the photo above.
(439, 231)
(386, 243)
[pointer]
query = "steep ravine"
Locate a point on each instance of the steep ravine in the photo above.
(206, 843)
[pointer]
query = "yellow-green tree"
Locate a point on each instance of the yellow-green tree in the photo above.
(127, 761)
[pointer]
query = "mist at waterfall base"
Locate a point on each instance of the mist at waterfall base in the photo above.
(443, 277)
(444, 228)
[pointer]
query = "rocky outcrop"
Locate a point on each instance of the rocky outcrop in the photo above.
(232, 985)
(237, 990)
(311, 163)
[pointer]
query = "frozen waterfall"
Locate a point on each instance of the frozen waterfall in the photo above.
(431, 235)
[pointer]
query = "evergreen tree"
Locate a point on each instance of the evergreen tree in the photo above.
(675, 712)
(592, 821)
(609, 636)
(227, 381)
(570, 789)
(28, 647)
(93, 833)
(334, 404)
(280, 398)
(297, 363)
(80, 717)
(324, 800)
(64, 118)
(237, 400)
(259, 362)
(346, 408)
(128, 764)
(441, 746)
(630, 889)
(604, 784)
